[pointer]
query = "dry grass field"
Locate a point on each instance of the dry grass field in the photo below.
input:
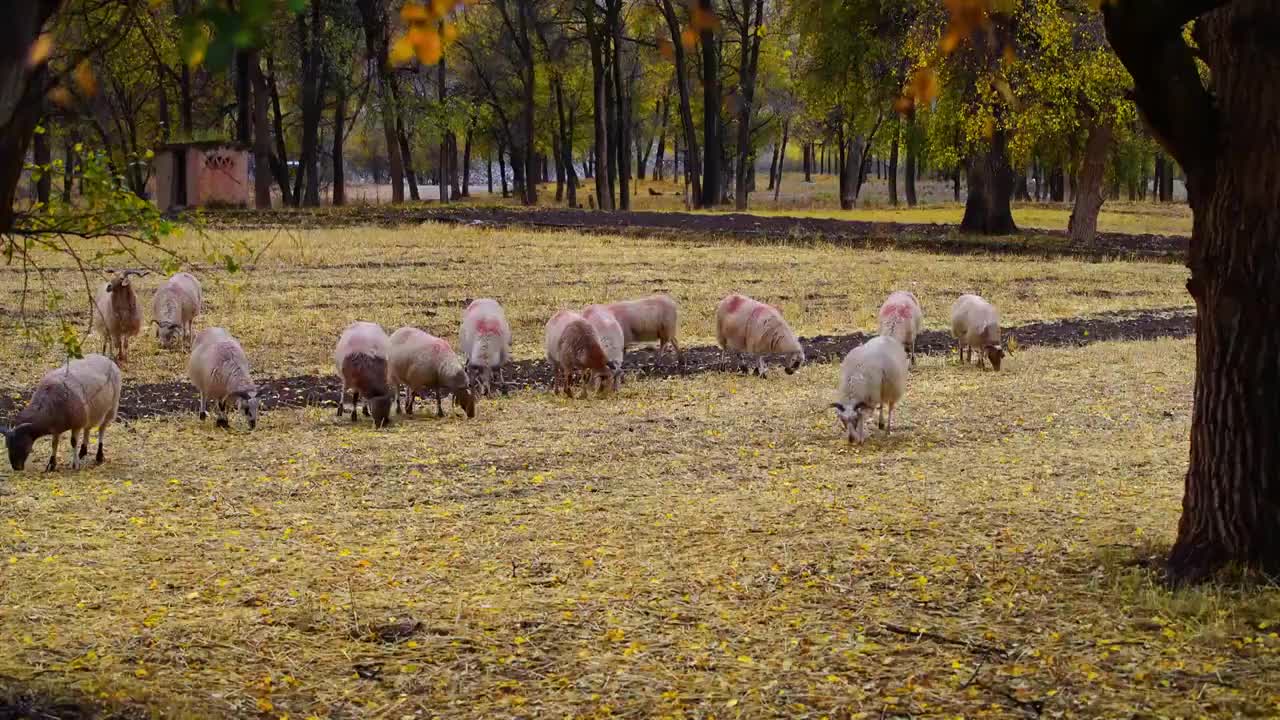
(706, 546)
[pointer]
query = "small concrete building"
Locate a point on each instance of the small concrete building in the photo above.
(202, 174)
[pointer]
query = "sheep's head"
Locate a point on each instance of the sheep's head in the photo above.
(794, 361)
(856, 420)
(995, 353)
(19, 441)
(380, 409)
(247, 403)
(167, 333)
(465, 399)
(122, 281)
(478, 378)
(603, 379)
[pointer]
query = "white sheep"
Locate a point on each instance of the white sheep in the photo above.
(219, 369)
(80, 395)
(975, 323)
(872, 376)
(655, 317)
(611, 335)
(117, 314)
(750, 326)
(902, 319)
(424, 362)
(485, 341)
(573, 346)
(361, 359)
(175, 306)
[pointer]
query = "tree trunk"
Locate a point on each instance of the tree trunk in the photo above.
(502, 170)
(750, 58)
(987, 209)
(850, 168)
(599, 102)
(1231, 503)
(893, 162)
(184, 99)
(244, 99)
(280, 161)
(374, 20)
(909, 178)
(692, 167)
(530, 86)
(611, 121)
(339, 130)
(1166, 181)
(69, 165)
(309, 40)
(711, 142)
(402, 138)
(466, 164)
(1083, 225)
(782, 155)
(261, 136)
(622, 112)
(488, 171)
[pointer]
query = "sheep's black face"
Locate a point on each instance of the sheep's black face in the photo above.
(167, 334)
(995, 354)
(19, 446)
(249, 406)
(466, 400)
(380, 409)
(854, 419)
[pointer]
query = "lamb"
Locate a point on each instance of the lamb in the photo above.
(975, 323)
(485, 341)
(609, 330)
(425, 362)
(220, 371)
(361, 359)
(650, 318)
(81, 395)
(872, 376)
(175, 306)
(902, 319)
(573, 345)
(746, 325)
(117, 314)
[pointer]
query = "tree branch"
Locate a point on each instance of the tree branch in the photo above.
(1147, 37)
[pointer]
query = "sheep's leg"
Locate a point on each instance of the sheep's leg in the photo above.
(502, 382)
(913, 352)
(880, 422)
(223, 422)
(84, 445)
(102, 432)
(342, 398)
(410, 398)
(439, 406)
(204, 414)
(75, 458)
(53, 458)
(355, 403)
(982, 358)
(397, 392)
(761, 369)
(679, 353)
(889, 428)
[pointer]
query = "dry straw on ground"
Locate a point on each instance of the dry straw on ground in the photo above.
(700, 547)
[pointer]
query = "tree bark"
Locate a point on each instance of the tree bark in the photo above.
(279, 161)
(711, 142)
(1083, 225)
(466, 164)
(1231, 500)
(599, 102)
(502, 170)
(313, 79)
(622, 113)
(909, 177)
(782, 158)
(987, 209)
(611, 120)
(69, 165)
(749, 37)
(244, 99)
(402, 138)
(339, 130)
(261, 136)
(692, 166)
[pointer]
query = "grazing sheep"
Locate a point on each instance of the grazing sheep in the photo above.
(650, 318)
(425, 362)
(82, 394)
(902, 319)
(117, 314)
(611, 336)
(220, 371)
(485, 341)
(975, 323)
(872, 376)
(573, 345)
(361, 359)
(175, 305)
(746, 325)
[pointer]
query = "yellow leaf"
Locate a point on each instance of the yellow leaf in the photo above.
(402, 51)
(265, 705)
(429, 48)
(39, 50)
(413, 12)
(84, 78)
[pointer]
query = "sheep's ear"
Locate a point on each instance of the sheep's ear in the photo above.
(839, 407)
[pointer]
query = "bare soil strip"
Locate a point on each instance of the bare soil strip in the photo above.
(744, 227)
(152, 399)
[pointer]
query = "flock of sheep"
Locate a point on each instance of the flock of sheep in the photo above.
(588, 346)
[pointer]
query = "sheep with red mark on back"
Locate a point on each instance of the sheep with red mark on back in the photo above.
(750, 326)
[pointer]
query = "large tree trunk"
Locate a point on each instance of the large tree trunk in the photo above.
(466, 164)
(530, 87)
(599, 104)
(1083, 225)
(339, 129)
(313, 77)
(623, 111)
(21, 95)
(987, 210)
(280, 160)
(782, 157)
(502, 169)
(244, 99)
(261, 136)
(1231, 504)
(692, 167)
(808, 162)
(611, 120)
(69, 164)
(711, 129)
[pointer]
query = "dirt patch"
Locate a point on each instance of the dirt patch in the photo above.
(150, 399)
(21, 704)
(853, 233)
